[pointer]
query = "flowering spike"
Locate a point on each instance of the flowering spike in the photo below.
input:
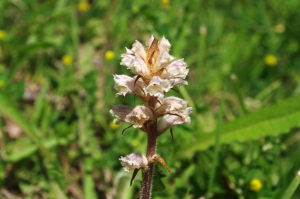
(155, 73)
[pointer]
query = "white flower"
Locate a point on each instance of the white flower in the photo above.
(135, 60)
(158, 87)
(134, 161)
(136, 116)
(155, 61)
(125, 84)
(171, 105)
(176, 69)
(174, 119)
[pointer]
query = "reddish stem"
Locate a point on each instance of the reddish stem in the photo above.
(151, 148)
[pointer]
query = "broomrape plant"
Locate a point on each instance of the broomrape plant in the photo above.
(156, 73)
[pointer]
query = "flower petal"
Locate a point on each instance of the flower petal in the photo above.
(139, 67)
(173, 105)
(171, 120)
(134, 161)
(127, 58)
(158, 87)
(177, 69)
(149, 41)
(125, 84)
(135, 63)
(164, 45)
(138, 116)
(139, 50)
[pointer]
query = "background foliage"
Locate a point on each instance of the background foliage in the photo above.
(56, 88)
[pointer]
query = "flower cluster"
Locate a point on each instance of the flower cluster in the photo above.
(156, 72)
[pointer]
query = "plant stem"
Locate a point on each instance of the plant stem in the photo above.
(151, 148)
(148, 174)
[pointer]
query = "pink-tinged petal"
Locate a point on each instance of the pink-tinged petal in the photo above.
(127, 59)
(176, 69)
(139, 67)
(164, 45)
(178, 81)
(138, 116)
(173, 105)
(168, 120)
(139, 50)
(134, 61)
(163, 60)
(158, 87)
(149, 42)
(125, 84)
(134, 161)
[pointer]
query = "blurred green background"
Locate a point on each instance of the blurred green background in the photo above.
(57, 59)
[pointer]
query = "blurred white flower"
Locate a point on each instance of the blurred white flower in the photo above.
(134, 161)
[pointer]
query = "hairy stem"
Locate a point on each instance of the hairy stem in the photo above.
(151, 148)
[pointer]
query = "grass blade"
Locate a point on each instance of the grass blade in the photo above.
(217, 146)
(292, 187)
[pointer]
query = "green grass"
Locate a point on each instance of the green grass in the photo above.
(55, 137)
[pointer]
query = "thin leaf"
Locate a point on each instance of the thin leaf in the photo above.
(292, 187)
(28, 149)
(269, 121)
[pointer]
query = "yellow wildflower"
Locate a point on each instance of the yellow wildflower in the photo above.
(165, 2)
(255, 184)
(109, 55)
(113, 125)
(270, 60)
(83, 6)
(67, 60)
(2, 34)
